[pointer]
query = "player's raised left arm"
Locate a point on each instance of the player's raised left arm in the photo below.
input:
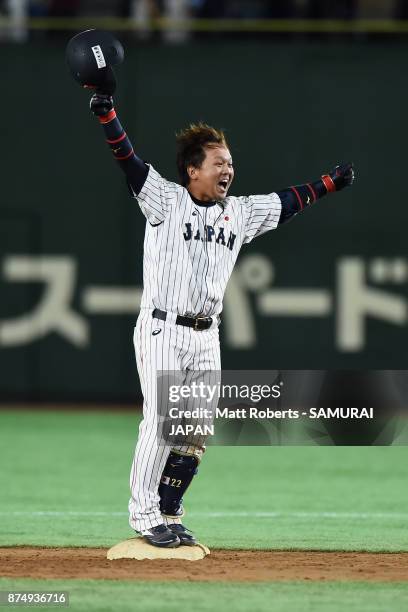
(297, 198)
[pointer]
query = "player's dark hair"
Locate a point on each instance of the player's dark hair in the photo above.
(191, 145)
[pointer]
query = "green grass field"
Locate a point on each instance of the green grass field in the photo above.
(106, 596)
(64, 481)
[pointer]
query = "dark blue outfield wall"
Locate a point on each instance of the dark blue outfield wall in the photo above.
(329, 290)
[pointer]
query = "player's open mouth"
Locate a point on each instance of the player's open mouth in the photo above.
(223, 185)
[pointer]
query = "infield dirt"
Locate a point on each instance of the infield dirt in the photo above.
(220, 565)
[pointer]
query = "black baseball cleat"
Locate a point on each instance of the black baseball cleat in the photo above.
(185, 536)
(161, 536)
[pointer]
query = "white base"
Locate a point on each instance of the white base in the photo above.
(137, 548)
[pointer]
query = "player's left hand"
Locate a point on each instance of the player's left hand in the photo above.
(342, 176)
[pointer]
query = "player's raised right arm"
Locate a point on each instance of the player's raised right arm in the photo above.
(135, 169)
(152, 192)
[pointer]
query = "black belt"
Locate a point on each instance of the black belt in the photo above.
(197, 323)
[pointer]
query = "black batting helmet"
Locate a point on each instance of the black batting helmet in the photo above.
(90, 56)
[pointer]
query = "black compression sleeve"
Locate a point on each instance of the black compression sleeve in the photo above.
(135, 169)
(295, 199)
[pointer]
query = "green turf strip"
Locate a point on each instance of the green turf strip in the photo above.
(106, 596)
(77, 465)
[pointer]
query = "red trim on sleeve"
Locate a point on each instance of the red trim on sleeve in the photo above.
(125, 156)
(117, 139)
(108, 117)
(298, 197)
(328, 183)
(312, 191)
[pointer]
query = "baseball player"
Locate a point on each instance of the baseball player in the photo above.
(194, 232)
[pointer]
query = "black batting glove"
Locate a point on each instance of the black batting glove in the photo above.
(342, 176)
(100, 104)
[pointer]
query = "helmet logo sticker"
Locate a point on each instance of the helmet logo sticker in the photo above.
(100, 59)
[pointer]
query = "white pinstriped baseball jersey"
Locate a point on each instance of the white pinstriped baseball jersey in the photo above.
(190, 249)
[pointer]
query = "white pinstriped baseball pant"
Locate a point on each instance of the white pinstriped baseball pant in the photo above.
(174, 348)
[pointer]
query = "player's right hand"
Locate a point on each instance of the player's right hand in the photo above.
(100, 104)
